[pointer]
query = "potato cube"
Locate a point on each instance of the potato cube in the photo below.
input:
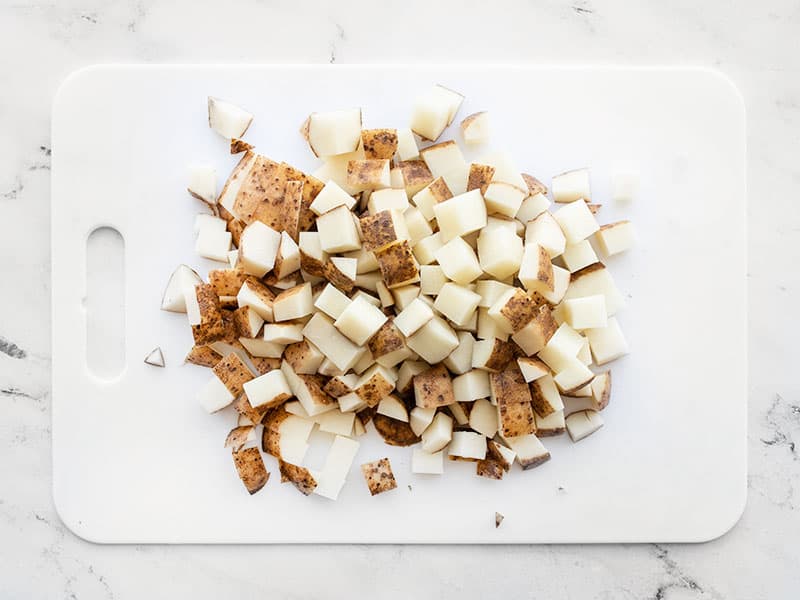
(492, 354)
(293, 303)
(601, 389)
(434, 341)
(382, 228)
(561, 280)
(483, 418)
(331, 196)
(488, 329)
(586, 313)
(571, 186)
(533, 206)
(287, 260)
(368, 174)
(577, 256)
(215, 395)
(513, 310)
(576, 221)
(375, 384)
(379, 143)
(434, 388)
(397, 264)
(331, 301)
(456, 302)
(505, 169)
(438, 434)
(433, 111)
(369, 281)
(404, 295)
(312, 256)
(472, 385)
(467, 445)
(429, 196)
(475, 128)
(405, 375)
(592, 280)
(460, 214)
(233, 373)
(268, 390)
(365, 260)
(459, 361)
(304, 357)
(258, 247)
(379, 477)
(583, 424)
(420, 418)
(416, 176)
(532, 368)
(552, 424)
(530, 451)
(425, 249)
(503, 198)
(516, 419)
(431, 279)
(607, 343)
(490, 290)
(458, 261)
(340, 350)
(413, 317)
(384, 295)
(260, 348)
(535, 335)
(247, 321)
(360, 320)
(387, 199)
(536, 269)
(574, 377)
(406, 144)
(333, 132)
(283, 333)
(615, 237)
(391, 406)
(500, 252)
(545, 397)
(545, 231)
(416, 224)
(509, 386)
(443, 158)
(337, 231)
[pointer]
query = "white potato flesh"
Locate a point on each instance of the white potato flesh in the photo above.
(601, 386)
(233, 258)
(505, 169)
(576, 221)
(334, 132)
(203, 183)
(364, 362)
(425, 249)
(459, 361)
(336, 421)
(360, 320)
(561, 280)
(384, 295)
(334, 168)
(283, 333)
(331, 196)
(416, 224)
(331, 479)
(358, 428)
(585, 354)
(252, 323)
(413, 317)
(289, 255)
(583, 424)
(490, 290)
(294, 303)
(586, 313)
(458, 261)
(431, 279)
(227, 197)
(393, 407)
(546, 386)
(483, 418)
(404, 295)
(420, 418)
(607, 343)
(500, 252)
(467, 444)
(429, 116)
(575, 376)
(456, 302)
(551, 423)
(387, 199)
(532, 207)
(351, 402)
(367, 262)
(337, 231)
(346, 266)
(267, 389)
(598, 281)
(294, 407)
(571, 186)
(369, 281)
(532, 368)
(227, 119)
(460, 214)
(545, 231)
(488, 328)
(339, 349)
(443, 158)
(406, 144)
(433, 341)
(624, 185)
(258, 247)
(261, 348)
(472, 385)
(615, 238)
(534, 268)
(181, 286)
(579, 255)
(214, 395)
(428, 463)
(311, 246)
(475, 128)
(504, 199)
(247, 296)
(529, 450)
(438, 433)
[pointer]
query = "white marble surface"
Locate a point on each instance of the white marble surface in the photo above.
(756, 44)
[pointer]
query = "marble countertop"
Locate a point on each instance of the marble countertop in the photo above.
(756, 44)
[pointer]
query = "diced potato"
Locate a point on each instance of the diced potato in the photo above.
(413, 317)
(433, 193)
(479, 178)
(458, 261)
(382, 228)
(586, 313)
(545, 231)
(293, 303)
(592, 280)
(468, 445)
(337, 231)
(304, 357)
(434, 341)
(488, 329)
(433, 111)
(431, 279)
(258, 248)
(268, 390)
(340, 350)
(572, 186)
(215, 395)
(456, 302)
(416, 224)
(601, 389)
(379, 476)
(331, 197)
(425, 249)
(483, 418)
(533, 206)
(379, 143)
(535, 335)
(312, 256)
(375, 384)
(475, 128)
(536, 269)
(530, 451)
(287, 260)
(532, 368)
(575, 376)
(624, 185)
(393, 407)
(406, 144)
(334, 132)
(607, 343)
(406, 373)
(397, 264)
(615, 237)
(438, 434)
(360, 320)
(583, 424)
(505, 169)
(404, 295)
(459, 361)
(416, 176)
(545, 397)
(492, 354)
(283, 333)
(576, 221)
(336, 422)
(500, 252)
(504, 198)
(460, 215)
(433, 388)
(577, 256)
(331, 301)
(387, 199)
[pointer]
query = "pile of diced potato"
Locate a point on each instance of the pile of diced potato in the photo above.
(442, 300)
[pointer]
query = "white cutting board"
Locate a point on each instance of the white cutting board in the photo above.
(136, 460)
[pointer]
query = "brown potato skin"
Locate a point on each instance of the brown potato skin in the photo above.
(264, 365)
(238, 146)
(212, 326)
(237, 437)
(434, 387)
(480, 176)
(202, 356)
(509, 386)
(605, 396)
(226, 282)
(394, 432)
(232, 372)
(502, 354)
(388, 339)
(377, 231)
(531, 463)
(439, 190)
(519, 310)
(242, 406)
(375, 389)
(416, 175)
(379, 143)
(311, 187)
(540, 404)
(397, 264)
(337, 278)
(378, 476)
(300, 477)
(534, 185)
(489, 468)
(251, 469)
(365, 174)
(516, 419)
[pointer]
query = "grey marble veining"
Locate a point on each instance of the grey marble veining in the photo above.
(756, 44)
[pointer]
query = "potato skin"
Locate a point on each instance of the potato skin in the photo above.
(251, 469)
(434, 387)
(379, 143)
(534, 185)
(212, 326)
(202, 356)
(394, 432)
(489, 468)
(502, 354)
(378, 230)
(480, 176)
(238, 146)
(378, 476)
(300, 477)
(232, 372)
(237, 437)
(388, 339)
(397, 264)
(519, 310)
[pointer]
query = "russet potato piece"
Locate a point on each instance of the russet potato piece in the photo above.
(534, 185)
(537, 332)
(250, 467)
(615, 237)
(586, 313)
(393, 407)
(406, 144)
(438, 434)
(467, 445)
(334, 132)
(227, 196)
(379, 476)
(331, 301)
(203, 184)
(444, 158)
(381, 229)
(394, 432)
(532, 368)
(490, 290)
(536, 269)
(503, 198)
(233, 373)
(293, 303)
(375, 384)
(287, 260)
(483, 418)
(573, 377)
(576, 221)
(397, 264)
(337, 231)
(258, 249)
(205, 315)
(475, 128)
(488, 329)
(433, 388)
(592, 280)
(238, 146)
(227, 119)
(500, 252)
(387, 199)
(492, 354)
(513, 310)
(416, 224)
(425, 249)
(460, 215)
(546, 232)
(214, 395)
(416, 176)
(379, 143)
(433, 193)
(283, 333)
(459, 361)
(431, 279)
(533, 206)
(607, 343)
(434, 341)
(516, 419)
(545, 397)
(268, 390)
(577, 256)
(583, 424)
(331, 196)
(433, 111)
(247, 321)
(312, 256)
(339, 349)
(458, 261)
(360, 320)
(571, 186)
(341, 272)
(413, 317)
(551, 425)
(530, 451)
(300, 477)
(331, 479)
(456, 302)
(472, 385)
(304, 357)
(406, 373)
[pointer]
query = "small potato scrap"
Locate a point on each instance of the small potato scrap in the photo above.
(300, 477)
(239, 436)
(233, 373)
(434, 388)
(398, 265)
(393, 432)
(480, 176)
(368, 174)
(212, 326)
(379, 477)
(238, 146)
(379, 143)
(251, 469)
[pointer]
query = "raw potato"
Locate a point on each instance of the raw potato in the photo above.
(300, 477)
(379, 476)
(368, 174)
(479, 178)
(379, 143)
(251, 469)
(583, 424)
(438, 433)
(233, 373)
(227, 119)
(397, 264)
(155, 358)
(181, 285)
(467, 445)
(394, 432)
(203, 184)
(475, 128)
(572, 186)
(615, 237)
(238, 437)
(383, 228)
(433, 388)
(332, 133)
